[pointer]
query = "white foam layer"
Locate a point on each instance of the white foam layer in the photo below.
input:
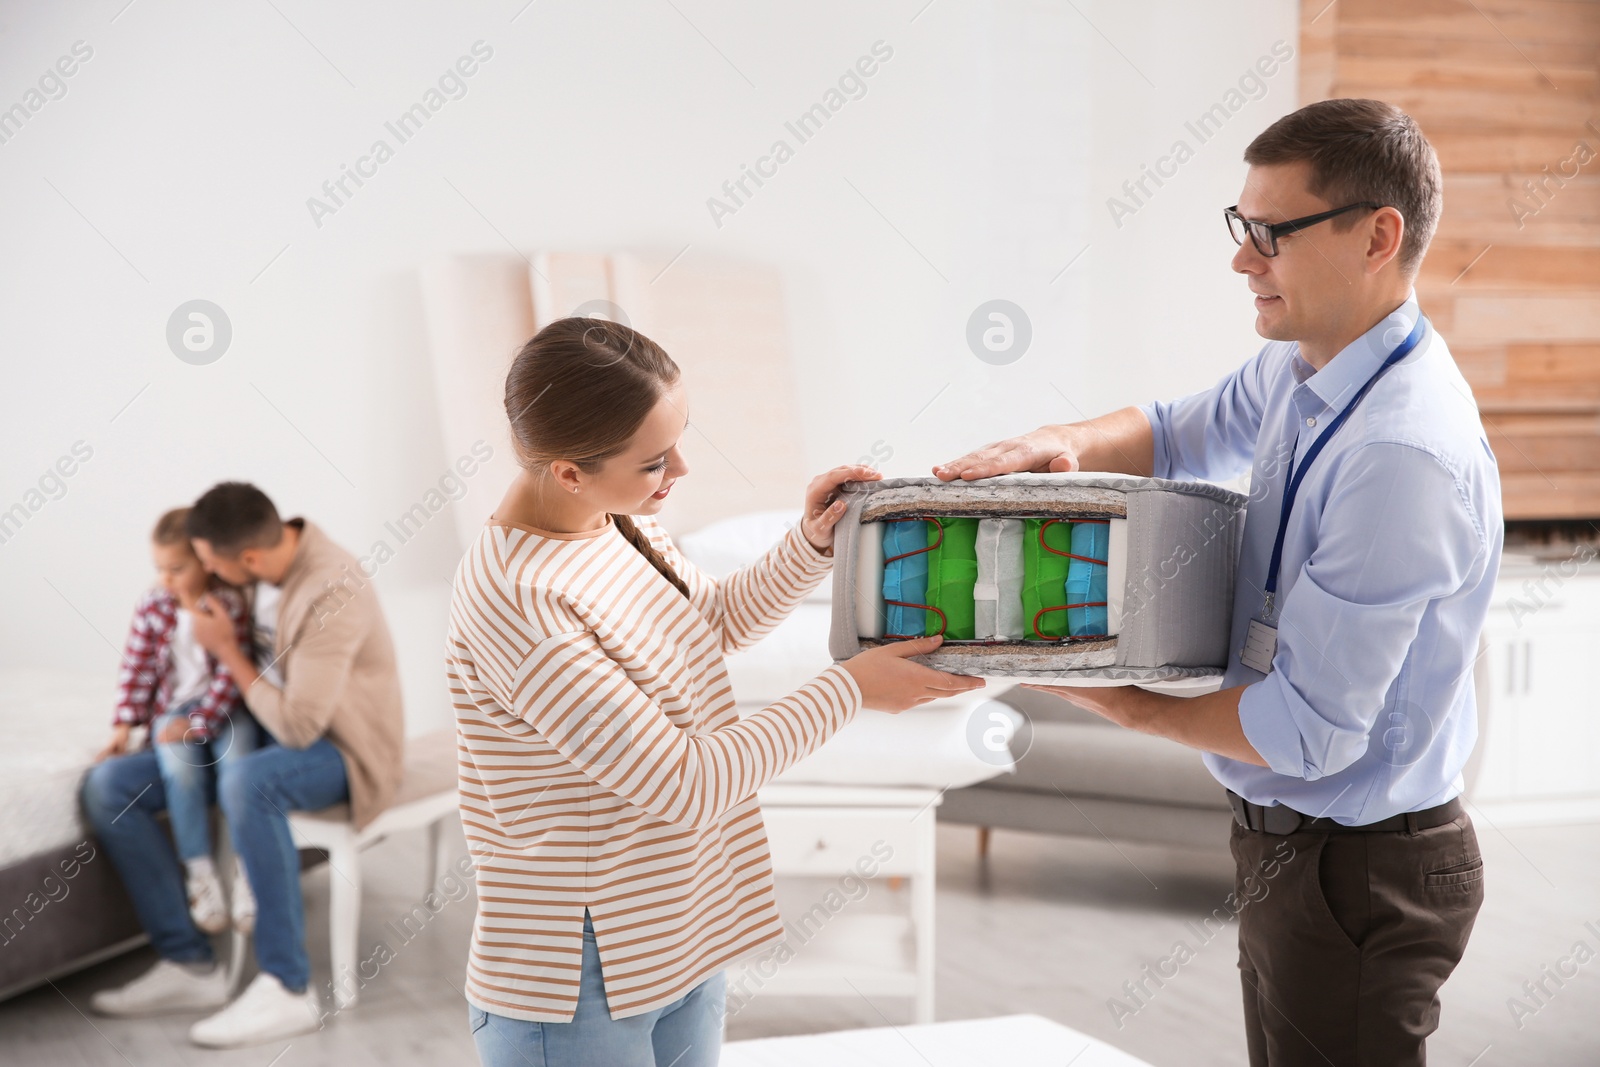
(869, 580)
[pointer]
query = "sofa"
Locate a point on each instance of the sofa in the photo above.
(1079, 775)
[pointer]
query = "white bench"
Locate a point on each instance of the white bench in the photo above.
(426, 800)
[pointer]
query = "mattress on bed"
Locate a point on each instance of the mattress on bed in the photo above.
(1170, 570)
(54, 722)
(65, 906)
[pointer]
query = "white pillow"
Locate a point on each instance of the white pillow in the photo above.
(726, 546)
(935, 745)
(784, 660)
(945, 744)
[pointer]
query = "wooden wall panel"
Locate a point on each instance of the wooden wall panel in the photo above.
(1508, 92)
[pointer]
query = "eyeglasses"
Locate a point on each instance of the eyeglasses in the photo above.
(1264, 235)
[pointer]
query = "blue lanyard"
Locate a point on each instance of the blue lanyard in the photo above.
(1401, 351)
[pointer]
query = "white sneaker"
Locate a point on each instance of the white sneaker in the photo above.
(207, 906)
(265, 1011)
(244, 901)
(165, 988)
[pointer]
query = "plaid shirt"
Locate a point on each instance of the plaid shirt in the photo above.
(144, 685)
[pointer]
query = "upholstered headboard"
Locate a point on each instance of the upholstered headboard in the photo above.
(722, 322)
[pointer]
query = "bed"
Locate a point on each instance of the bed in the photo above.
(64, 905)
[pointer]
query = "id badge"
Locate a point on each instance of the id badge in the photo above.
(1260, 645)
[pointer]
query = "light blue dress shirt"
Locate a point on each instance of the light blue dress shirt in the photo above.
(1389, 563)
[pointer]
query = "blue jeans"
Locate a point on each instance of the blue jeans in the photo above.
(685, 1033)
(122, 798)
(188, 769)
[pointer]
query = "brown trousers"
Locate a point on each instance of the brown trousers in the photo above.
(1344, 944)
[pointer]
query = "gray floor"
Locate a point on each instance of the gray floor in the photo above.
(1049, 926)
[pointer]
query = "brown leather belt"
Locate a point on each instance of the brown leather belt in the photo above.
(1278, 819)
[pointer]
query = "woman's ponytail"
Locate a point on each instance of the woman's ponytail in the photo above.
(630, 529)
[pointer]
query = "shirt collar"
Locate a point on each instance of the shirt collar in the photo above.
(1343, 376)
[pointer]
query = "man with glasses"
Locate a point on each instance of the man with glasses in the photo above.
(1371, 547)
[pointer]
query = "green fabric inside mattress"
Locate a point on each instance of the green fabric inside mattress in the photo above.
(1044, 577)
(952, 572)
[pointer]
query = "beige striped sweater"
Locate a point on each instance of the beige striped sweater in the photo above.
(603, 765)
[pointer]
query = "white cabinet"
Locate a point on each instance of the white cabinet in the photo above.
(837, 847)
(1539, 711)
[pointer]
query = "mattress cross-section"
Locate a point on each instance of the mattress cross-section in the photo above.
(1095, 578)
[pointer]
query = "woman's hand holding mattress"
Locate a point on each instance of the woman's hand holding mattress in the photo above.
(824, 507)
(889, 681)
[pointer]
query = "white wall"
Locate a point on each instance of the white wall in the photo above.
(178, 164)
(1167, 313)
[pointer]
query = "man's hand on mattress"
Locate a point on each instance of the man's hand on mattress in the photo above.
(889, 681)
(1046, 450)
(1209, 722)
(824, 508)
(1124, 705)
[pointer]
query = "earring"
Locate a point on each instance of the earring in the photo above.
(574, 489)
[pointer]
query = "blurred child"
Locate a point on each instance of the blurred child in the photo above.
(188, 699)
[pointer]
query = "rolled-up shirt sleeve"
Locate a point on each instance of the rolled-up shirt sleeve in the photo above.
(1397, 532)
(1210, 434)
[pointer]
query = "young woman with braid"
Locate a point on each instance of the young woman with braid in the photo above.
(607, 783)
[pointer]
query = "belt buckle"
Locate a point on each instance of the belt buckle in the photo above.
(1281, 820)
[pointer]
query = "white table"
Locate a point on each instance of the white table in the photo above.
(1007, 1041)
(835, 833)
